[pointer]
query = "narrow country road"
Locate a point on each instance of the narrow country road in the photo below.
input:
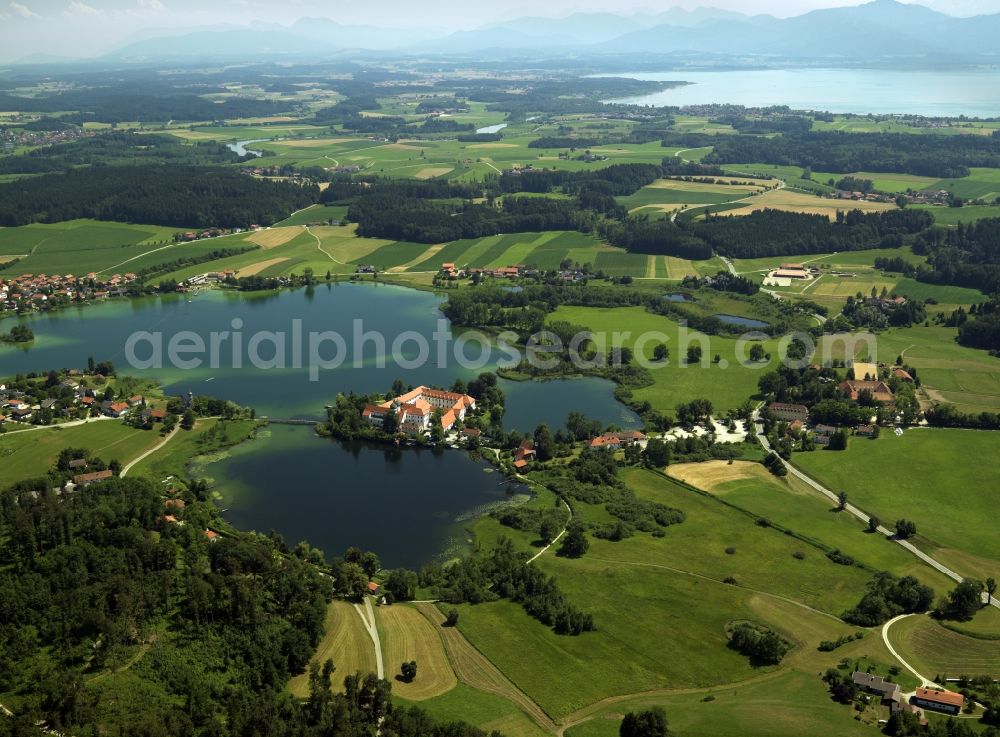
(556, 538)
(369, 620)
(924, 681)
(61, 425)
(128, 466)
(906, 544)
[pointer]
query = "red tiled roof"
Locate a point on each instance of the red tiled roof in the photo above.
(950, 698)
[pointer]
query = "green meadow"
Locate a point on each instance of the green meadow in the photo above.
(671, 635)
(81, 246)
(29, 454)
(919, 476)
(727, 387)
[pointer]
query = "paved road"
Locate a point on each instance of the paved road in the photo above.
(913, 549)
(128, 466)
(369, 621)
(71, 423)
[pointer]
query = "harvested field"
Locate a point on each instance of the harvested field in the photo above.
(783, 199)
(314, 142)
(939, 650)
(428, 254)
(678, 268)
(408, 635)
(710, 474)
(260, 266)
(345, 642)
(473, 669)
(273, 237)
(432, 171)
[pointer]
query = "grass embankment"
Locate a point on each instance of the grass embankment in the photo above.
(918, 476)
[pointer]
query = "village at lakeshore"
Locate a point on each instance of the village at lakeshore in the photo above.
(774, 517)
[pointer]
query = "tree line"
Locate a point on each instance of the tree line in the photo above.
(778, 233)
(835, 151)
(178, 196)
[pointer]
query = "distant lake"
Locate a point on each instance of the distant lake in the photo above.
(862, 91)
(240, 147)
(492, 128)
(409, 505)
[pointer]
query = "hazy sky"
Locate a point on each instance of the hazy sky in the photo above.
(87, 27)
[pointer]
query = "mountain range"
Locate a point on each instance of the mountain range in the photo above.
(876, 31)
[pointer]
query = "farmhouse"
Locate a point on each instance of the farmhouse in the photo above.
(876, 684)
(525, 452)
(616, 440)
(902, 375)
(880, 391)
(788, 412)
(948, 702)
(415, 409)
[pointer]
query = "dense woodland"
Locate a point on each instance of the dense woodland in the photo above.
(87, 578)
(778, 233)
(116, 149)
(179, 196)
(111, 105)
(930, 156)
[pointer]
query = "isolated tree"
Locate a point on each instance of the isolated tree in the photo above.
(648, 723)
(408, 671)
(757, 352)
(842, 501)
(905, 529)
(574, 542)
(694, 354)
(548, 530)
(661, 352)
(991, 587)
(452, 619)
(873, 523)
(964, 600)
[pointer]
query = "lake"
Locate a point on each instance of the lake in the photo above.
(862, 91)
(65, 339)
(409, 505)
(240, 147)
(745, 322)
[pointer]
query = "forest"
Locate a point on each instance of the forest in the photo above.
(173, 195)
(967, 255)
(778, 233)
(930, 156)
(110, 105)
(87, 575)
(421, 221)
(115, 149)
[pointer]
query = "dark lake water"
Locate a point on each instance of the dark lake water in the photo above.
(745, 322)
(409, 505)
